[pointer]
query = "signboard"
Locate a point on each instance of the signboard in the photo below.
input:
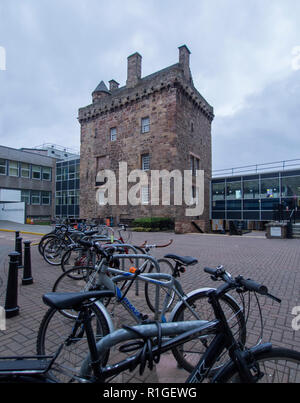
(275, 231)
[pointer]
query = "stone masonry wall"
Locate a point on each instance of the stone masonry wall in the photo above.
(172, 104)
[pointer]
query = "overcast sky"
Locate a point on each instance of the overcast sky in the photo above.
(57, 52)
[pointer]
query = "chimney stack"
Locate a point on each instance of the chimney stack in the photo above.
(184, 60)
(134, 69)
(113, 85)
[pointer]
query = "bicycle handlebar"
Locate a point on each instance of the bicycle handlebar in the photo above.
(248, 284)
(252, 285)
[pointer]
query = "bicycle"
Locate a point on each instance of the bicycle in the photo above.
(190, 307)
(45, 369)
(246, 365)
(59, 246)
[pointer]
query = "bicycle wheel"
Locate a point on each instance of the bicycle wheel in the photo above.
(75, 258)
(77, 280)
(43, 240)
(53, 250)
(279, 365)
(189, 354)
(152, 291)
(56, 328)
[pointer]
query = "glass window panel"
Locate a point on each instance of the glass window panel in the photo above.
(234, 215)
(145, 162)
(270, 188)
(250, 204)
(218, 191)
(269, 204)
(25, 196)
(218, 215)
(25, 170)
(218, 204)
(267, 215)
(290, 186)
(2, 166)
(36, 172)
(113, 134)
(46, 198)
(251, 189)
(64, 195)
(234, 190)
(71, 197)
(77, 197)
(64, 173)
(234, 204)
(35, 197)
(46, 173)
(251, 215)
(145, 125)
(13, 168)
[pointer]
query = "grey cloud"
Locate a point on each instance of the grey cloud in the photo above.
(58, 52)
(265, 130)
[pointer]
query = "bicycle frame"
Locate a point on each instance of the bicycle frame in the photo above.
(183, 331)
(155, 278)
(187, 331)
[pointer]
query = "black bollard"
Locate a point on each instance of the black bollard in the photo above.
(19, 250)
(27, 277)
(11, 300)
(17, 236)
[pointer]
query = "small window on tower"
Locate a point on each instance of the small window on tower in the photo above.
(113, 134)
(145, 125)
(145, 162)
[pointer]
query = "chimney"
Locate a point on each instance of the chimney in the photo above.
(184, 60)
(113, 85)
(134, 69)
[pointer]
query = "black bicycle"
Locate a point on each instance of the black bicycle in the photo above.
(262, 363)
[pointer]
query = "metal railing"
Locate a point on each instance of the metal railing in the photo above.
(257, 168)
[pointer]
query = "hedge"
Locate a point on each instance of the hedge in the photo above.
(159, 223)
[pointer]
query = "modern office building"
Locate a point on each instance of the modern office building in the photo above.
(27, 185)
(257, 194)
(53, 150)
(67, 188)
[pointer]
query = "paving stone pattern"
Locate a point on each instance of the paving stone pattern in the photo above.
(272, 262)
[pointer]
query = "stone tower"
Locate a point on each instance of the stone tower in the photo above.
(157, 122)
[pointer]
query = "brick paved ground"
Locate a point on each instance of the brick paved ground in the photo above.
(274, 263)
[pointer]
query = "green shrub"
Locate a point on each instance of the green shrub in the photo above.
(157, 223)
(142, 229)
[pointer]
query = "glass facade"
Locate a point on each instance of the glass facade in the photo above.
(67, 189)
(257, 197)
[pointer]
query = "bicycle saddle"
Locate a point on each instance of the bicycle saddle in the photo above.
(72, 300)
(91, 232)
(185, 260)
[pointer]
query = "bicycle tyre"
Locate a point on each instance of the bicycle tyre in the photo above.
(184, 355)
(55, 328)
(289, 362)
(43, 241)
(53, 250)
(150, 289)
(77, 280)
(74, 258)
